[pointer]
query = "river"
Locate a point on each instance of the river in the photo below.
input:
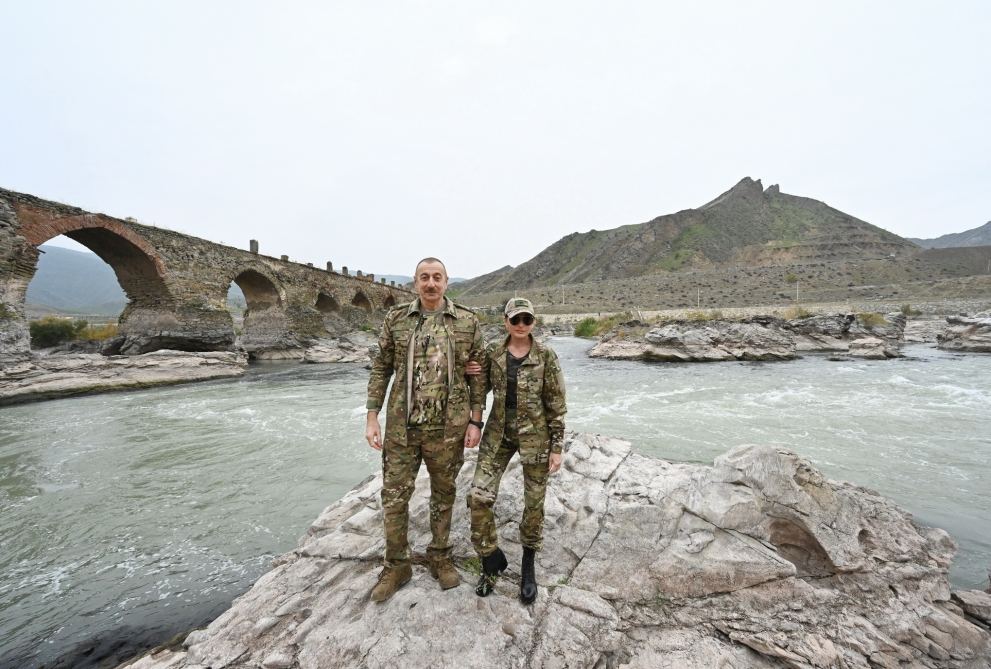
(126, 518)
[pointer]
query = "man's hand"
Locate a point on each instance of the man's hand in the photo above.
(373, 435)
(472, 436)
(554, 462)
(472, 368)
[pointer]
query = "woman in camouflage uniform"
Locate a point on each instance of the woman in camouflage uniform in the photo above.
(527, 417)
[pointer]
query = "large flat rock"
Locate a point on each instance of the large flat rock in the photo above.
(61, 375)
(755, 561)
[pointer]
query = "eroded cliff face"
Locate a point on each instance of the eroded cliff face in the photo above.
(755, 561)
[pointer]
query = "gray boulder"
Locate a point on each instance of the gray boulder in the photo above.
(755, 561)
(967, 334)
(354, 347)
(873, 348)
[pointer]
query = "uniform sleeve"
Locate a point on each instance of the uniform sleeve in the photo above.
(478, 385)
(382, 367)
(554, 401)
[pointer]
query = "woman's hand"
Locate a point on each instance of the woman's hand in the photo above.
(472, 368)
(554, 462)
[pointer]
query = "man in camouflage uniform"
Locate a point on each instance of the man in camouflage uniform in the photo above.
(527, 416)
(432, 415)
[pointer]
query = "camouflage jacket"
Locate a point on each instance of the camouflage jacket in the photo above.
(395, 353)
(540, 401)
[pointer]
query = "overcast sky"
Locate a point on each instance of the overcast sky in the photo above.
(374, 133)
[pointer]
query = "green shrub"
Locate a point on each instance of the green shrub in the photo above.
(586, 327)
(594, 327)
(52, 331)
(98, 332)
(871, 319)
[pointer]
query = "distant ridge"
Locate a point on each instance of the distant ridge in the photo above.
(745, 226)
(980, 236)
(74, 282)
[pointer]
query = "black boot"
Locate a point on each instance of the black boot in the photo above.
(528, 584)
(493, 564)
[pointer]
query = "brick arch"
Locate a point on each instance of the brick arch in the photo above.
(261, 289)
(139, 268)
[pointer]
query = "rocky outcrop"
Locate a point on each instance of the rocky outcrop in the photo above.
(967, 334)
(873, 348)
(60, 375)
(923, 330)
(830, 333)
(356, 347)
(755, 561)
(706, 341)
(756, 338)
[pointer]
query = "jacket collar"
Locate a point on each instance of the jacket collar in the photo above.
(449, 308)
(535, 347)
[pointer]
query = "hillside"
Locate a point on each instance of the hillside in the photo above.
(980, 236)
(745, 226)
(74, 282)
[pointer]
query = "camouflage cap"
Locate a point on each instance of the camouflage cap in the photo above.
(518, 305)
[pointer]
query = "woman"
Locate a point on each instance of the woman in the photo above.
(527, 417)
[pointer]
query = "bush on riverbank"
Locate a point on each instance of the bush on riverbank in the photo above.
(594, 327)
(871, 319)
(52, 331)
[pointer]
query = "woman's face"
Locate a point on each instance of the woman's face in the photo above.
(520, 328)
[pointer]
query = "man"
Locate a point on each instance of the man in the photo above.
(432, 416)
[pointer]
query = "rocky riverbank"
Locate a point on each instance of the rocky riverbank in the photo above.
(755, 561)
(967, 335)
(755, 338)
(65, 374)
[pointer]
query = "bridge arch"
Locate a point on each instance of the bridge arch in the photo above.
(139, 268)
(326, 303)
(264, 325)
(261, 289)
(389, 302)
(361, 301)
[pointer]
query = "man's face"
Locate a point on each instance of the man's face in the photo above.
(430, 281)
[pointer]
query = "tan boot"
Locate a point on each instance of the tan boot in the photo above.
(443, 570)
(390, 580)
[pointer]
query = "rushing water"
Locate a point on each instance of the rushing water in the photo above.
(126, 518)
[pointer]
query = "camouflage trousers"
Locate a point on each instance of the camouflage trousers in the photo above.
(400, 465)
(492, 463)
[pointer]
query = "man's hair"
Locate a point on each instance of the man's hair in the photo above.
(416, 272)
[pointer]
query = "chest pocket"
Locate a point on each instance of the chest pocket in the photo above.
(530, 387)
(464, 335)
(400, 338)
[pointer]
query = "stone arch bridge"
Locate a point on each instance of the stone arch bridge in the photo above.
(177, 285)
